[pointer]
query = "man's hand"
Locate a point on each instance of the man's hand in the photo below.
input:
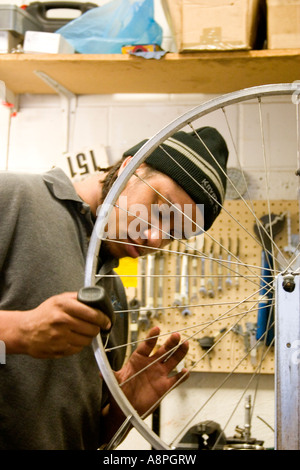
(60, 326)
(146, 388)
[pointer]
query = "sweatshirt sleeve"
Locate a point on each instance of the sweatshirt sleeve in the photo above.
(10, 199)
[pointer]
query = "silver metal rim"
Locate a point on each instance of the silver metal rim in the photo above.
(104, 212)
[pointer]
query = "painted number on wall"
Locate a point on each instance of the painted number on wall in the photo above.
(82, 164)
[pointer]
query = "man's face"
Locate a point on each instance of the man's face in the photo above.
(151, 210)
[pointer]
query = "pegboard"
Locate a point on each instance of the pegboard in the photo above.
(232, 299)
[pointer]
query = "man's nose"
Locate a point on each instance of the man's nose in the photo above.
(153, 236)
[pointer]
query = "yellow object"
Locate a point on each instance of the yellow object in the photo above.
(141, 48)
(128, 270)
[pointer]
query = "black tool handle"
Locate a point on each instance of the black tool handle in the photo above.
(39, 10)
(96, 297)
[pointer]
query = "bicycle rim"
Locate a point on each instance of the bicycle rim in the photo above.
(248, 271)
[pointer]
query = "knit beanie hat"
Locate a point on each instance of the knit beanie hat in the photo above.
(197, 162)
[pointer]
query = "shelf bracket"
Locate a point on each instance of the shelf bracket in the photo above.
(68, 104)
(8, 98)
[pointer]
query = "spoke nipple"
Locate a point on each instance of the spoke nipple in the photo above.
(288, 283)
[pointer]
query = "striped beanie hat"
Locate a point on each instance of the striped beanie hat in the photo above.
(197, 162)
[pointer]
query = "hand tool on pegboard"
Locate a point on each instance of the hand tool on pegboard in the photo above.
(207, 342)
(185, 284)
(249, 338)
(202, 289)
(160, 258)
(143, 320)
(220, 268)
(292, 248)
(134, 312)
(194, 289)
(177, 295)
(228, 281)
(237, 266)
(210, 281)
(150, 312)
(270, 225)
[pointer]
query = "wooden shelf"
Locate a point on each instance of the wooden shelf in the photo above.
(205, 72)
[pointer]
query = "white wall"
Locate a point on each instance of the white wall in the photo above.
(35, 140)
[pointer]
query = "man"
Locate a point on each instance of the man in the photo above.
(51, 392)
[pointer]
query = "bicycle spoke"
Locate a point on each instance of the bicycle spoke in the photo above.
(231, 307)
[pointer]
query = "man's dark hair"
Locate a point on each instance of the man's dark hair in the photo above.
(112, 175)
(110, 178)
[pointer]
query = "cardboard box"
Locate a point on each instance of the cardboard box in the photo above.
(215, 25)
(46, 43)
(283, 24)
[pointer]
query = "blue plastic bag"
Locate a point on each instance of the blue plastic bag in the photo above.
(105, 29)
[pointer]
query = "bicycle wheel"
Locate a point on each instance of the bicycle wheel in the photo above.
(225, 276)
